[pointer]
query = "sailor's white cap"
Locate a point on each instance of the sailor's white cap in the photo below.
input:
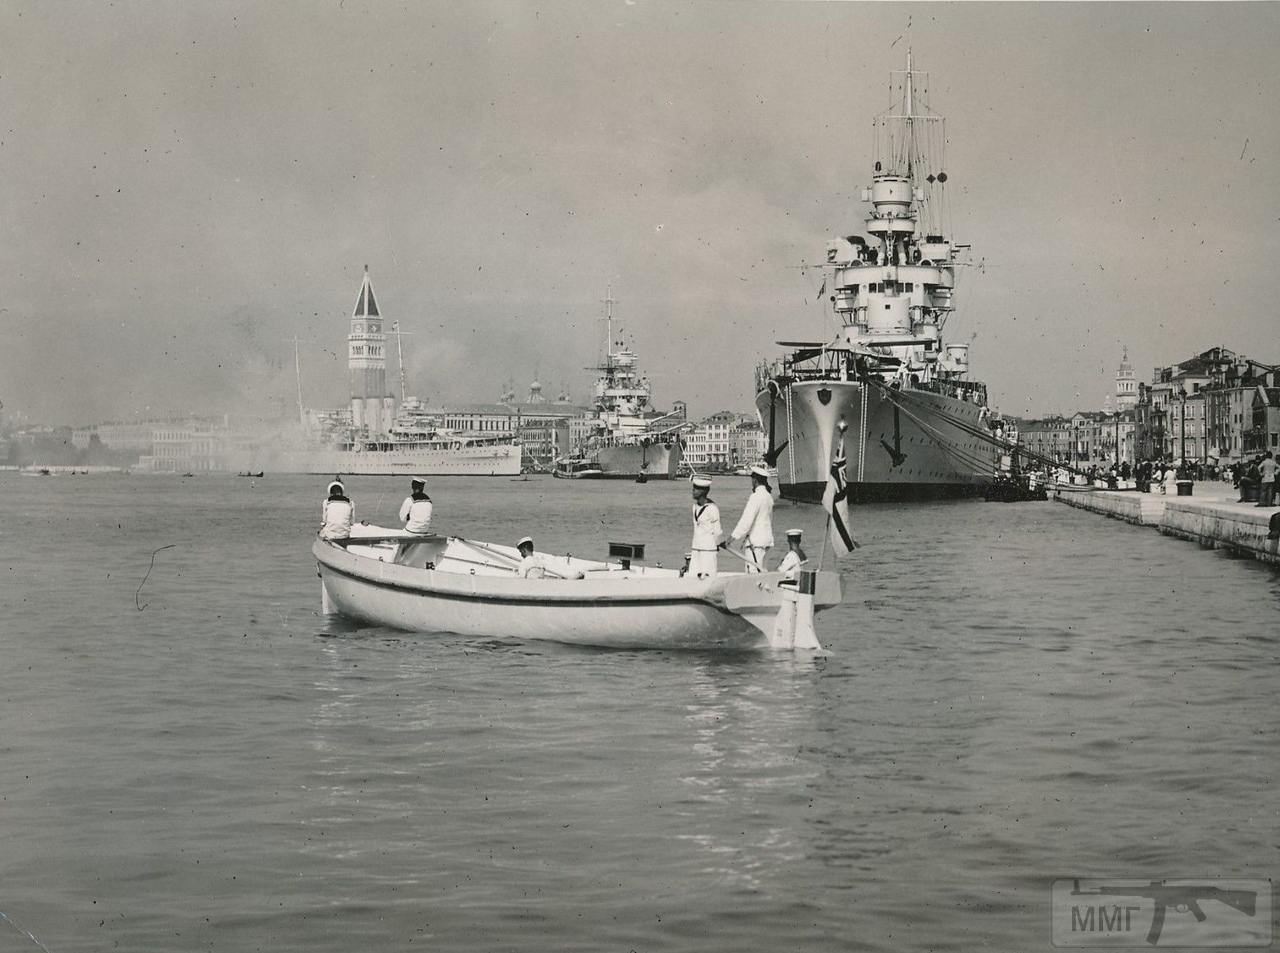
(760, 470)
(526, 539)
(335, 485)
(794, 533)
(698, 479)
(418, 481)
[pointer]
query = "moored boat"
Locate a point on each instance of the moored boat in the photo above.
(626, 437)
(449, 584)
(577, 468)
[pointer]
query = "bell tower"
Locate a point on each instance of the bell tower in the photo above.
(1126, 385)
(367, 365)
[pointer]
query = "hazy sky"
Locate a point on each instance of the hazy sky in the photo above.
(186, 186)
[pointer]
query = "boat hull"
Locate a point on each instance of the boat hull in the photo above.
(733, 612)
(626, 462)
(498, 460)
(915, 448)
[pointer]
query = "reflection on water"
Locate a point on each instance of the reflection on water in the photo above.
(1014, 694)
(747, 719)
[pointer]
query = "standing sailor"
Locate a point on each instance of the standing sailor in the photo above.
(756, 524)
(337, 513)
(794, 559)
(415, 511)
(706, 529)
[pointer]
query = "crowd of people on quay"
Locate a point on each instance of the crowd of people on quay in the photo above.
(1257, 477)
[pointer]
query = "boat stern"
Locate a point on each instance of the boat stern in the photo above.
(783, 609)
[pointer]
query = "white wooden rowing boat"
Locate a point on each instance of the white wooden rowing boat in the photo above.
(450, 584)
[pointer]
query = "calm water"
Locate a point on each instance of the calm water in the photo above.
(1015, 693)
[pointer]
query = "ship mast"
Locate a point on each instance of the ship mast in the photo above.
(297, 371)
(395, 329)
(608, 326)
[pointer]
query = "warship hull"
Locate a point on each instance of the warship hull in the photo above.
(657, 461)
(919, 446)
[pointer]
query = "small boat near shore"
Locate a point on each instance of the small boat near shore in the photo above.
(1015, 491)
(577, 468)
(449, 584)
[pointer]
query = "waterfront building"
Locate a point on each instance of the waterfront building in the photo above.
(747, 442)
(545, 428)
(135, 435)
(1086, 437)
(1203, 408)
(1229, 402)
(1264, 421)
(1048, 437)
(194, 445)
(1116, 437)
(707, 444)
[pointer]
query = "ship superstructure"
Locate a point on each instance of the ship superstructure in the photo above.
(624, 435)
(887, 390)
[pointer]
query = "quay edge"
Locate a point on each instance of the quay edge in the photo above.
(1242, 529)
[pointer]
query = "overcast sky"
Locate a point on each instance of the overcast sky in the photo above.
(186, 186)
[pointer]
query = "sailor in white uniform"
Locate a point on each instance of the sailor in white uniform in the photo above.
(337, 513)
(794, 559)
(706, 530)
(531, 565)
(756, 524)
(415, 511)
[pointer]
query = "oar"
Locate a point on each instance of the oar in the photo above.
(502, 555)
(388, 538)
(743, 556)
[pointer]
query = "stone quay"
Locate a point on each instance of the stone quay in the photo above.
(1211, 516)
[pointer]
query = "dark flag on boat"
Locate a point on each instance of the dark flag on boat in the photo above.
(835, 500)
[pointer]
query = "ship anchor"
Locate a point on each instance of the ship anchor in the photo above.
(774, 452)
(895, 452)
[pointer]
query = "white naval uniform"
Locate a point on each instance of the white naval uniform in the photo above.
(790, 567)
(416, 515)
(756, 527)
(338, 517)
(706, 540)
(531, 567)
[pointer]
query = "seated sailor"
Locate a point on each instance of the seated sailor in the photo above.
(337, 513)
(531, 564)
(415, 511)
(794, 559)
